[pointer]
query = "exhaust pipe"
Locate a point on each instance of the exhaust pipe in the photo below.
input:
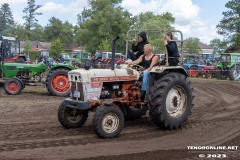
(113, 52)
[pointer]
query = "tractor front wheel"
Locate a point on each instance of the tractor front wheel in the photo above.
(108, 121)
(170, 101)
(70, 117)
(57, 82)
(13, 86)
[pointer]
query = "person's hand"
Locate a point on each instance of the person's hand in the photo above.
(134, 40)
(165, 41)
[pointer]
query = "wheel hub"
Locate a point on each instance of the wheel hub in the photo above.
(176, 101)
(110, 122)
(73, 115)
(60, 83)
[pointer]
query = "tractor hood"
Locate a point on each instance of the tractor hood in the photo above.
(103, 75)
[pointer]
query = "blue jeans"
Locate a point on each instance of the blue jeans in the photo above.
(132, 56)
(145, 77)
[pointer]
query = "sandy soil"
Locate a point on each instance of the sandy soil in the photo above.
(29, 129)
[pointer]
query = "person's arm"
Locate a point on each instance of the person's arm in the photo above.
(134, 48)
(154, 62)
(139, 60)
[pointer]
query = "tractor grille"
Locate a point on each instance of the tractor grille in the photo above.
(77, 91)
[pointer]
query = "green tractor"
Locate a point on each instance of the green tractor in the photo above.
(16, 75)
(229, 66)
(78, 58)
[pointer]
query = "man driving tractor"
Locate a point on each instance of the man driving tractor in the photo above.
(148, 60)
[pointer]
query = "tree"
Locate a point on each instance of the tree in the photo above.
(192, 46)
(57, 29)
(18, 30)
(56, 48)
(105, 45)
(6, 17)
(229, 26)
(30, 17)
(103, 21)
(149, 20)
(218, 45)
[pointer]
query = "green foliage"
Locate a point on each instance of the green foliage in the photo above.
(105, 45)
(27, 46)
(150, 21)
(218, 45)
(104, 20)
(6, 17)
(17, 30)
(192, 46)
(57, 29)
(32, 55)
(31, 12)
(56, 48)
(229, 26)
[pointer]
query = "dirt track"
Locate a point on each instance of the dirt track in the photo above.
(29, 129)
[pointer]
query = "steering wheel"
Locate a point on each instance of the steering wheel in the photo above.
(136, 67)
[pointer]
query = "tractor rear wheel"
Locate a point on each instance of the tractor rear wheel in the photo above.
(20, 60)
(57, 82)
(108, 121)
(70, 117)
(13, 86)
(170, 101)
(234, 73)
(218, 73)
(193, 71)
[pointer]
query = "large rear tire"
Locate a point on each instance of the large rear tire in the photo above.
(57, 82)
(13, 86)
(193, 71)
(20, 60)
(71, 118)
(170, 101)
(234, 74)
(108, 121)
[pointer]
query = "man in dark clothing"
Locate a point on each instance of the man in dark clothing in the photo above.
(172, 49)
(142, 40)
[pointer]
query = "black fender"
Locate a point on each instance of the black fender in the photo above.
(23, 85)
(118, 103)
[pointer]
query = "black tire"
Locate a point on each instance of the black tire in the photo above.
(71, 118)
(218, 73)
(55, 89)
(13, 86)
(100, 117)
(234, 73)
(208, 75)
(135, 113)
(20, 60)
(180, 88)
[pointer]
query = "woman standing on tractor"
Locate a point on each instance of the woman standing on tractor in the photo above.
(172, 49)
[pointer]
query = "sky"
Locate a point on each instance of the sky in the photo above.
(195, 18)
